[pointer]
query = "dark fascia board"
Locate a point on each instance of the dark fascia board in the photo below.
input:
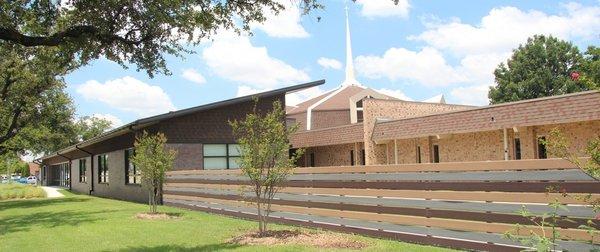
(155, 119)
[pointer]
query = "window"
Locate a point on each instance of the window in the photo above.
(436, 153)
(351, 157)
(517, 148)
(418, 154)
(221, 156)
(362, 154)
(103, 168)
(359, 110)
(82, 170)
(132, 175)
(312, 159)
(542, 148)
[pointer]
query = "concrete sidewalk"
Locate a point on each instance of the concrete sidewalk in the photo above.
(52, 192)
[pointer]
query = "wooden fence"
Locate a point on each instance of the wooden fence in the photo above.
(465, 205)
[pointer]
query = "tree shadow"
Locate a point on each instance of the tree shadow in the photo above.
(31, 203)
(46, 220)
(160, 248)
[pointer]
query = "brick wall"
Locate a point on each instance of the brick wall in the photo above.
(331, 136)
(327, 119)
(390, 109)
(489, 145)
(333, 155)
(189, 156)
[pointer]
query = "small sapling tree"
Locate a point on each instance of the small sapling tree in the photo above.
(153, 160)
(265, 157)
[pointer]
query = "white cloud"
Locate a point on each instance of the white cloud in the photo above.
(504, 28)
(193, 76)
(246, 90)
(234, 58)
(383, 8)
(329, 63)
(396, 93)
(427, 67)
(128, 94)
(471, 95)
(291, 99)
(115, 121)
(284, 25)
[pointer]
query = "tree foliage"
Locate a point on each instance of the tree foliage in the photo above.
(137, 32)
(88, 127)
(591, 67)
(265, 158)
(544, 66)
(35, 112)
(153, 160)
(558, 145)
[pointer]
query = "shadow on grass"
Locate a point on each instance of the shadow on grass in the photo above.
(30, 203)
(46, 220)
(208, 247)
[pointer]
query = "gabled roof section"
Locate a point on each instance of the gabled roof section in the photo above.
(155, 119)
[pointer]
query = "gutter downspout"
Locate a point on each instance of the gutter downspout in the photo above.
(69, 168)
(91, 168)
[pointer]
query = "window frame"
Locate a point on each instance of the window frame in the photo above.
(137, 177)
(227, 156)
(82, 172)
(103, 169)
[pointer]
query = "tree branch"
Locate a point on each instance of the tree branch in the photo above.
(13, 35)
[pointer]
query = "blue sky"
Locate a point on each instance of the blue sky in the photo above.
(415, 50)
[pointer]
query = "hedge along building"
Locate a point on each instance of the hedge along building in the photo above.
(201, 135)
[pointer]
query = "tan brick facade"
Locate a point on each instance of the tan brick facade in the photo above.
(489, 145)
(334, 155)
(389, 109)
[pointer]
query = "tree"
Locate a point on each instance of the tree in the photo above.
(558, 145)
(88, 127)
(137, 32)
(590, 69)
(35, 112)
(544, 66)
(265, 158)
(153, 160)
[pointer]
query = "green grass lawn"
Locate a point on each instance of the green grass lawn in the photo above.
(84, 223)
(20, 191)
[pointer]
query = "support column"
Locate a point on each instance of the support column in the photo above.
(395, 152)
(505, 131)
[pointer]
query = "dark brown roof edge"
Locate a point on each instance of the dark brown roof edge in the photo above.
(183, 112)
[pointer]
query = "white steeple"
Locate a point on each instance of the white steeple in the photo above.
(350, 80)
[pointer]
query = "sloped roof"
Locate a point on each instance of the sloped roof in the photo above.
(154, 119)
(339, 101)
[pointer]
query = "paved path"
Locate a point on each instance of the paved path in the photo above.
(52, 192)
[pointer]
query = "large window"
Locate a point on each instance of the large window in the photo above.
(82, 170)
(132, 174)
(103, 168)
(221, 156)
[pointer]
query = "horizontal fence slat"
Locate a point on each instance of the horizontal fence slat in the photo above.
(529, 164)
(546, 175)
(517, 197)
(570, 187)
